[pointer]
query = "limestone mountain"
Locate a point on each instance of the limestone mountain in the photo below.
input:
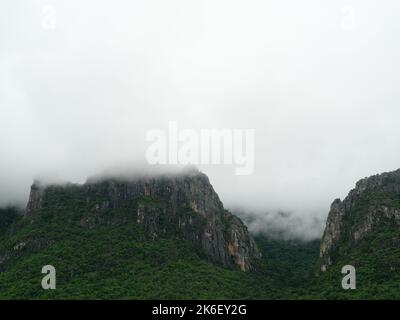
(169, 237)
(363, 230)
(182, 205)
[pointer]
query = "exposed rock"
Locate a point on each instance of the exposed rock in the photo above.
(374, 201)
(183, 205)
(35, 197)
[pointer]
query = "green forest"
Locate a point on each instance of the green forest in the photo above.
(117, 261)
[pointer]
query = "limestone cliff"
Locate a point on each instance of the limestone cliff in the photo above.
(373, 203)
(182, 205)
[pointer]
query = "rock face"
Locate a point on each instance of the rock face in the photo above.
(182, 205)
(373, 203)
(35, 197)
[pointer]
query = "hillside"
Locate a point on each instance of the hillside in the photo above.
(363, 230)
(128, 238)
(182, 205)
(170, 238)
(119, 261)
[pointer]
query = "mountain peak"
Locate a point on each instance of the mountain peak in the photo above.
(182, 204)
(373, 203)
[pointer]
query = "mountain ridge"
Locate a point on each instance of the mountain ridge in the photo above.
(148, 237)
(373, 201)
(186, 202)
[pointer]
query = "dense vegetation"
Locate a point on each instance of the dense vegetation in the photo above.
(8, 216)
(112, 258)
(377, 262)
(376, 256)
(119, 262)
(116, 260)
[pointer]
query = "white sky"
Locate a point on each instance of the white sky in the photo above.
(320, 88)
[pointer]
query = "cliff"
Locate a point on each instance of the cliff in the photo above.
(182, 206)
(372, 208)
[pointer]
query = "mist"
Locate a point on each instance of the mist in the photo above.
(81, 83)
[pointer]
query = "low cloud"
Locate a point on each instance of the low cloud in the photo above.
(81, 88)
(283, 225)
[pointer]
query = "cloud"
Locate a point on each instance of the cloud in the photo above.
(320, 93)
(283, 225)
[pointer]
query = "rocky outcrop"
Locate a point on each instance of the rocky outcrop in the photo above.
(35, 197)
(182, 205)
(373, 202)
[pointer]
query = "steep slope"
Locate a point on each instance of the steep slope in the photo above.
(118, 261)
(373, 205)
(147, 237)
(363, 230)
(182, 205)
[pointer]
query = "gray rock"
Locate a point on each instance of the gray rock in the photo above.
(184, 205)
(372, 201)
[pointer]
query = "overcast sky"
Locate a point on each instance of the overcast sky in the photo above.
(81, 82)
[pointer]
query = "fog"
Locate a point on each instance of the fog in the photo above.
(82, 82)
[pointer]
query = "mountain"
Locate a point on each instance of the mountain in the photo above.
(373, 205)
(169, 237)
(183, 205)
(363, 230)
(128, 236)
